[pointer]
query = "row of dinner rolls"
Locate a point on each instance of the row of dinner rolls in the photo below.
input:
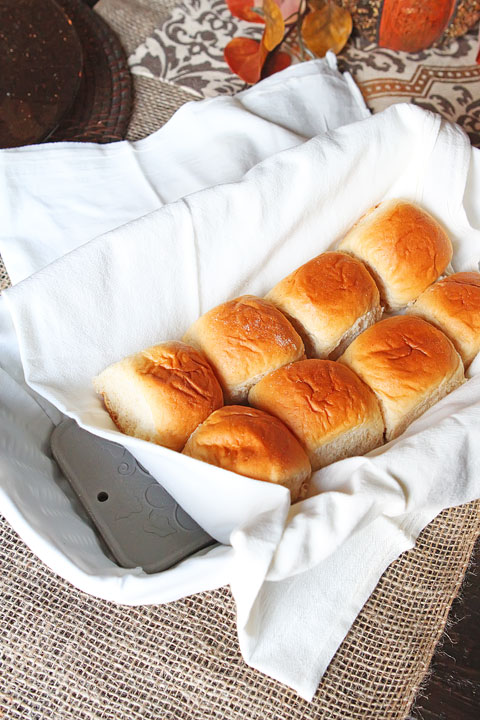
(307, 413)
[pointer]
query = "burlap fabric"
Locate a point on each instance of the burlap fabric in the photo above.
(68, 656)
(65, 655)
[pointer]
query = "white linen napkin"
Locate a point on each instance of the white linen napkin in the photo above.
(299, 575)
(57, 196)
(54, 197)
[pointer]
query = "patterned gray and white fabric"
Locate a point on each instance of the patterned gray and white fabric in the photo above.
(184, 48)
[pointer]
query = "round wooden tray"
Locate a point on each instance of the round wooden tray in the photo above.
(41, 68)
(102, 107)
(64, 74)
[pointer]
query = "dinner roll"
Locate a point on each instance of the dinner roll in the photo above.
(160, 394)
(453, 305)
(329, 409)
(329, 301)
(408, 363)
(253, 443)
(244, 339)
(403, 246)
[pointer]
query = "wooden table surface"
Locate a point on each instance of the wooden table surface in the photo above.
(452, 689)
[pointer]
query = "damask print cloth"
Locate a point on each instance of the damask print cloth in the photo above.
(323, 556)
(186, 49)
(443, 79)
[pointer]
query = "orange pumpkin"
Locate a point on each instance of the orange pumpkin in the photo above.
(412, 25)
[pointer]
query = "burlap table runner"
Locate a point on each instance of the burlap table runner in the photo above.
(67, 655)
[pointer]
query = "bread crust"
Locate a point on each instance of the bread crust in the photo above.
(252, 443)
(321, 401)
(453, 306)
(403, 246)
(243, 340)
(408, 363)
(325, 298)
(160, 394)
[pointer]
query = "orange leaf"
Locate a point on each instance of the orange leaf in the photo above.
(243, 9)
(327, 28)
(245, 57)
(274, 25)
(275, 62)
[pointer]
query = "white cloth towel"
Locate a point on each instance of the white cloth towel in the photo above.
(55, 197)
(299, 575)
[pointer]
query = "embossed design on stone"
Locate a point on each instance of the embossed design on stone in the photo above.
(155, 496)
(135, 507)
(158, 524)
(184, 520)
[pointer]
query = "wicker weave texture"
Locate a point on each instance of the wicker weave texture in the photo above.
(134, 20)
(154, 104)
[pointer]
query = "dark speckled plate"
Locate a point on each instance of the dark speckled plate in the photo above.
(102, 107)
(40, 69)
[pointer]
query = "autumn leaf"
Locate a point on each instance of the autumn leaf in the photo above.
(326, 28)
(245, 57)
(275, 62)
(274, 25)
(243, 9)
(289, 10)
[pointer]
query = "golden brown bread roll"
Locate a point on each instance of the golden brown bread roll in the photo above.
(403, 246)
(409, 364)
(453, 305)
(328, 408)
(252, 443)
(329, 301)
(243, 340)
(160, 394)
